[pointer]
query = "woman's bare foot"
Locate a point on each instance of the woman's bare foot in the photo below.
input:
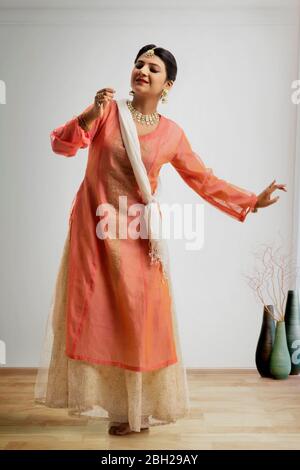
(122, 429)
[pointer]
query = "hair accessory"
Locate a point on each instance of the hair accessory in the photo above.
(150, 52)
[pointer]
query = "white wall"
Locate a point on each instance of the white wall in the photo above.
(236, 62)
(296, 225)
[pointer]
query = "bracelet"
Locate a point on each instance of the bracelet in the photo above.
(254, 209)
(82, 123)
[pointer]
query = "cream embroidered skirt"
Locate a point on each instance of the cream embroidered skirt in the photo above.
(106, 392)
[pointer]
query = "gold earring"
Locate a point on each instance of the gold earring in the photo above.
(164, 96)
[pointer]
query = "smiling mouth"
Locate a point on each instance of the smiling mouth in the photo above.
(141, 81)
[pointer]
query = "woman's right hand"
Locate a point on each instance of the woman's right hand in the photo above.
(264, 199)
(102, 99)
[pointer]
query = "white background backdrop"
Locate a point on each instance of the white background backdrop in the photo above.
(236, 63)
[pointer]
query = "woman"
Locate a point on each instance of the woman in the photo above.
(112, 348)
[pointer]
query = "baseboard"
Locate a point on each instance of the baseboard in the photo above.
(189, 370)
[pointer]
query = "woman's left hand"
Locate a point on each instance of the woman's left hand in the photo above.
(264, 199)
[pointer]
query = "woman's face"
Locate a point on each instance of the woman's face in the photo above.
(153, 71)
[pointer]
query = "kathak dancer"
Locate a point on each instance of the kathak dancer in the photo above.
(112, 348)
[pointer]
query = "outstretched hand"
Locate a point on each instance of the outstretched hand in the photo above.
(264, 199)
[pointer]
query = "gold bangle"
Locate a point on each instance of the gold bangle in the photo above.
(82, 123)
(254, 209)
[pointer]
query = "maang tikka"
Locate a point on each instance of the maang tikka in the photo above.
(164, 94)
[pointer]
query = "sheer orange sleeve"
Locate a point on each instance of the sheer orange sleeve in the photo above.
(68, 138)
(233, 200)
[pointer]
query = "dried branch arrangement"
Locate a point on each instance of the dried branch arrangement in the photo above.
(271, 281)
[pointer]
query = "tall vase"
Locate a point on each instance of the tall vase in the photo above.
(280, 362)
(265, 343)
(292, 322)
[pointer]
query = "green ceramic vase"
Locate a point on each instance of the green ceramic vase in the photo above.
(280, 362)
(292, 323)
(265, 343)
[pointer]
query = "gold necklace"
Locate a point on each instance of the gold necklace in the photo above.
(148, 119)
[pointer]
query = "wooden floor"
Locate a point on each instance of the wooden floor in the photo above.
(231, 409)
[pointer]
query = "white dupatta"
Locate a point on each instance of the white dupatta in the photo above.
(152, 213)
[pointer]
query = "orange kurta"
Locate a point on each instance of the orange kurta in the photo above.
(118, 309)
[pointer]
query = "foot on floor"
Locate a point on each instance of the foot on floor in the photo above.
(122, 429)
